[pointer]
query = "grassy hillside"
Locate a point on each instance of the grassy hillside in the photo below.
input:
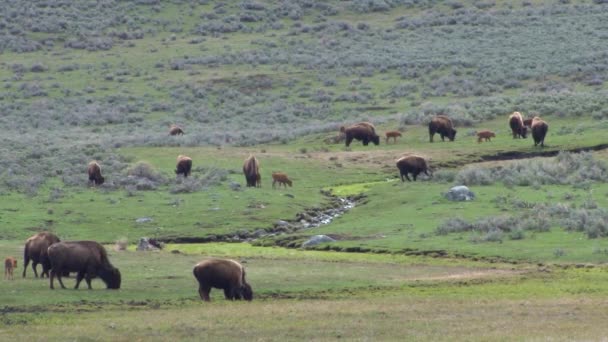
(104, 81)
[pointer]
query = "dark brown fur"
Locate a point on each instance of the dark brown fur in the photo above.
(528, 122)
(281, 178)
(224, 274)
(539, 131)
(10, 264)
(94, 171)
(516, 122)
(392, 134)
(443, 125)
(362, 131)
(175, 130)
(487, 135)
(88, 259)
(36, 250)
(251, 169)
(412, 164)
(184, 165)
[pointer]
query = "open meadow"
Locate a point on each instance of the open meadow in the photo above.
(526, 259)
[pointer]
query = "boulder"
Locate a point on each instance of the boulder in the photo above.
(145, 245)
(460, 193)
(317, 239)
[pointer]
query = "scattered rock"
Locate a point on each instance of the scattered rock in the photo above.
(146, 244)
(143, 220)
(317, 239)
(235, 186)
(460, 193)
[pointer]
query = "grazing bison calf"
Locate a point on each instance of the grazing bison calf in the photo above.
(362, 131)
(485, 135)
(539, 131)
(184, 165)
(94, 171)
(518, 128)
(10, 264)
(412, 164)
(443, 125)
(392, 134)
(36, 250)
(224, 274)
(176, 130)
(251, 170)
(281, 178)
(88, 259)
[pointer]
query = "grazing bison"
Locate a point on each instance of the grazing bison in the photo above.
(251, 169)
(539, 131)
(412, 164)
(184, 165)
(281, 178)
(88, 259)
(176, 130)
(224, 274)
(362, 131)
(392, 134)
(487, 135)
(94, 171)
(518, 128)
(10, 264)
(36, 251)
(443, 125)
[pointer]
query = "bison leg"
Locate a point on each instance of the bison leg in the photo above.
(52, 277)
(26, 261)
(203, 291)
(408, 178)
(79, 277)
(348, 140)
(34, 264)
(228, 294)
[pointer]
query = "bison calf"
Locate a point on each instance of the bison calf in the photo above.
(88, 259)
(281, 178)
(485, 135)
(224, 274)
(10, 264)
(392, 134)
(412, 164)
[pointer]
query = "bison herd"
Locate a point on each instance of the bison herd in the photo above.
(89, 260)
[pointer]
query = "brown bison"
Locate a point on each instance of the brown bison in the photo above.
(487, 135)
(176, 130)
(362, 131)
(539, 131)
(281, 178)
(443, 125)
(224, 274)
(412, 164)
(94, 171)
(251, 169)
(516, 122)
(88, 259)
(10, 264)
(392, 134)
(528, 122)
(36, 251)
(184, 165)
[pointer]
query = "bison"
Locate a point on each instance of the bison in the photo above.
(36, 250)
(94, 171)
(176, 130)
(443, 125)
(487, 135)
(224, 274)
(392, 134)
(10, 264)
(518, 128)
(539, 131)
(184, 165)
(281, 178)
(412, 164)
(88, 259)
(251, 169)
(528, 122)
(362, 131)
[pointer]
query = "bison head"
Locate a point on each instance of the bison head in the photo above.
(523, 131)
(376, 139)
(111, 277)
(451, 134)
(247, 292)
